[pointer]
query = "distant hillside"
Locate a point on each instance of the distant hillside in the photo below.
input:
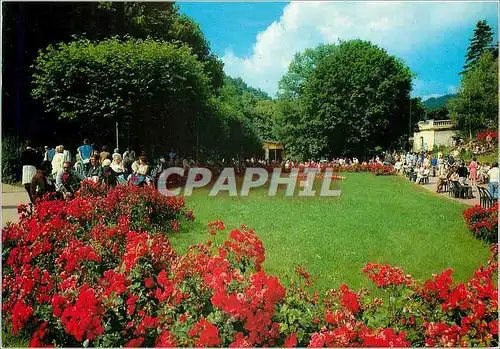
(434, 103)
(241, 87)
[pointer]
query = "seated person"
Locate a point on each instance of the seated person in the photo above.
(140, 170)
(68, 181)
(443, 179)
(118, 166)
(109, 176)
(41, 183)
(422, 174)
(398, 166)
(95, 169)
(412, 173)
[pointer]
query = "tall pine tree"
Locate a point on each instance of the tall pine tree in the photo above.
(481, 42)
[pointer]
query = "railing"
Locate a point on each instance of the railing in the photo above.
(448, 123)
(435, 124)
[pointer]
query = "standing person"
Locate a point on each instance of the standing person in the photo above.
(434, 164)
(104, 154)
(473, 171)
(67, 155)
(49, 153)
(30, 161)
(493, 183)
(171, 154)
(128, 159)
(85, 152)
(462, 171)
(426, 161)
(57, 161)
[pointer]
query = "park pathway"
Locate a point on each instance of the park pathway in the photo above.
(12, 196)
(431, 186)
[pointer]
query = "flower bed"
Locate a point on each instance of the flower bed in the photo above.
(320, 176)
(377, 169)
(483, 222)
(484, 134)
(78, 275)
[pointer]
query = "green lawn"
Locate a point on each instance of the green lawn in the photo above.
(377, 219)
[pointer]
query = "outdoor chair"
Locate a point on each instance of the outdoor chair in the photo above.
(425, 180)
(457, 190)
(445, 187)
(485, 198)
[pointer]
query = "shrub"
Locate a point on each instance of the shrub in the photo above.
(483, 222)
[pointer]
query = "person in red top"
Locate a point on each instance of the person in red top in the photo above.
(473, 171)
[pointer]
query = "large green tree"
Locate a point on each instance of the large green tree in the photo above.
(476, 104)
(300, 69)
(253, 105)
(481, 42)
(438, 114)
(356, 99)
(158, 91)
(30, 27)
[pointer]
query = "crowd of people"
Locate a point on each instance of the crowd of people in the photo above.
(419, 167)
(56, 170)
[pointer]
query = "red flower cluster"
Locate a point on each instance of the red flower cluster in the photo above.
(376, 168)
(319, 176)
(208, 334)
(483, 222)
(386, 276)
(216, 225)
(484, 134)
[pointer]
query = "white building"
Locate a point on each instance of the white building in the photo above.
(433, 133)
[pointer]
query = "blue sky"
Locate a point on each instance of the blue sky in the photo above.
(257, 40)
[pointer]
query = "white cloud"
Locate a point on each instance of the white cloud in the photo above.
(452, 89)
(397, 27)
(434, 95)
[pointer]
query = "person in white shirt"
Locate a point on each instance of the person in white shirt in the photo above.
(58, 160)
(67, 155)
(140, 170)
(117, 164)
(398, 166)
(493, 183)
(422, 173)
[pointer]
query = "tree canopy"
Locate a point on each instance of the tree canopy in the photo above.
(481, 42)
(157, 89)
(476, 104)
(30, 27)
(357, 98)
(300, 69)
